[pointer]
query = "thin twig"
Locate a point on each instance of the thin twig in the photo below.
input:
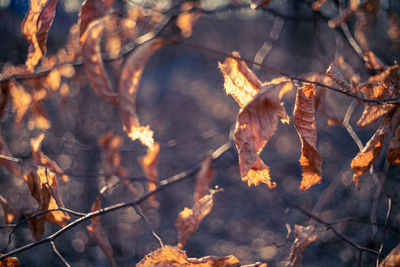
(138, 211)
(348, 127)
(389, 209)
(58, 254)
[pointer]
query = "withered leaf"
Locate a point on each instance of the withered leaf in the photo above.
(304, 122)
(35, 28)
(93, 63)
(393, 156)
(36, 225)
(41, 159)
(169, 256)
(189, 219)
(149, 166)
(90, 11)
(127, 90)
(240, 82)
(304, 237)
(96, 231)
(259, 3)
(392, 259)
(20, 98)
(8, 213)
(255, 125)
(364, 159)
(204, 179)
(380, 86)
(9, 262)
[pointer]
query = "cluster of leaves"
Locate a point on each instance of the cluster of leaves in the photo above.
(261, 105)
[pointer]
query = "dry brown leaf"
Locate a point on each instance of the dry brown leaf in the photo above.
(7, 160)
(149, 166)
(393, 156)
(42, 160)
(8, 213)
(169, 256)
(304, 236)
(364, 159)
(90, 11)
(127, 90)
(35, 28)
(392, 259)
(96, 231)
(304, 122)
(204, 179)
(259, 3)
(9, 262)
(318, 4)
(189, 219)
(240, 82)
(255, 125)
(111, 145)
(93, 63)
(36, 225)
(186, 19)
(20, 98)
(380, 86)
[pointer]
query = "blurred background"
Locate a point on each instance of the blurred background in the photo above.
(181, 97)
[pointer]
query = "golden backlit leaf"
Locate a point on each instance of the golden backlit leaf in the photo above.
(364, 159)
(9, 262)
(90, 11)
(39, 118)
(304, 236)
(304, 122)
(149, 166)
(21, 100)
(42, 160)
(380, 86)
(111, 145)
(169, 256)
(189, 219)
(93, 62)
(186, 19)
(52, 80)
(392, 259)
(8, 214)
(255, 125)
(96, 231)
(35, 28)
(204, 179)
(127, 90)
(9, 163)
(240, 82)
(393, 156)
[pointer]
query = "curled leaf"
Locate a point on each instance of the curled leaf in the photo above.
(204, 179)
(96, 231)
(364, 159)
(169, 256)
(36, 225)
(189, 219)
(127, 90)
(93, 62)
(304, 236)
(304, 122)
(8, 213)
(255, 125)
(149, 166)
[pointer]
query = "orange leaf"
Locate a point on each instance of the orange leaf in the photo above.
(90, 11)
(204, 179)
(240, 82)
(8, 213)
(189, 219)
(41, 159)
(93, 62)
(364, 159)
(9, 262)
(169, 256)
(392, 259)
(39, 118)
(304, 237)
(187, 19)
(304, 122)
(111, 145)
(255, 125)
(21, 100)
(149, 166)
(394, 146)
(96, 231)
(127, 90)
(35, 27)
